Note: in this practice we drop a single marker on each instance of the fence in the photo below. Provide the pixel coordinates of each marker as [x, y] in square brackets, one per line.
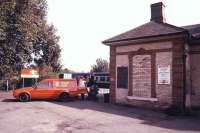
[6, 85]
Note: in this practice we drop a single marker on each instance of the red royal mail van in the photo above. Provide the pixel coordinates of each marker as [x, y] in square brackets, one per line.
[61, 89]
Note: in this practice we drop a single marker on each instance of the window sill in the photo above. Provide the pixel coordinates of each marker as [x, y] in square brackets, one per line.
[142, 98]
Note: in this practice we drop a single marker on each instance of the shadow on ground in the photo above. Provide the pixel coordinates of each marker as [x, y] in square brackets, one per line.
[9, 100]
[149, 117]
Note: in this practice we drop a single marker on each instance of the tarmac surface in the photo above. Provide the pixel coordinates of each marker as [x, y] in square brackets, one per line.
[86, 117]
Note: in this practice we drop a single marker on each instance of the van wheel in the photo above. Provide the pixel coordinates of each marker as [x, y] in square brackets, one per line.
[64, 97]
[24, 97]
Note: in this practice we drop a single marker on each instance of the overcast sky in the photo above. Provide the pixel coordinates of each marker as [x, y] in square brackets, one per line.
[83, 24]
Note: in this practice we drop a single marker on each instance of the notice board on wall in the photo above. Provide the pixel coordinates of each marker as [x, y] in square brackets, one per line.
[164, 75]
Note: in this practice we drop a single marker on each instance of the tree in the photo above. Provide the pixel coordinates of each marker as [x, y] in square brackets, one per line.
[100, 66]
[25, 37]
[66, 70]
[46, 48]
[47, 72]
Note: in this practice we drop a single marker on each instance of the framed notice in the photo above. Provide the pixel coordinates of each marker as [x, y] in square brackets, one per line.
[164, 75]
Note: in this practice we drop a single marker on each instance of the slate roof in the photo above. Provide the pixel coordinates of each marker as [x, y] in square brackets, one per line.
[149, 29]
[194, 30]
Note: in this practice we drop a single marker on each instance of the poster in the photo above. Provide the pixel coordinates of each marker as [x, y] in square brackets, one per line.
[164, 75]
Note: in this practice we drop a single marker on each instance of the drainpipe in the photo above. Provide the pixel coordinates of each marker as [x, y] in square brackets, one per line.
[186, 78]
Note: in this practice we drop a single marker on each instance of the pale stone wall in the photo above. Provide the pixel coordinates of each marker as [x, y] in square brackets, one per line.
[195, 79]
[146, 46]
[121, 93]
[164, 92]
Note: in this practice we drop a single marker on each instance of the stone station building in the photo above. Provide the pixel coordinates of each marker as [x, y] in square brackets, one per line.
[156, 65]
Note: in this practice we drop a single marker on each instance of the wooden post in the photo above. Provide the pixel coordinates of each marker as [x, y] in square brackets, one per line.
[23, 82]
[7, 85]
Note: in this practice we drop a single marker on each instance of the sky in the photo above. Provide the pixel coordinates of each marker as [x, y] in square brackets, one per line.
[83, 24]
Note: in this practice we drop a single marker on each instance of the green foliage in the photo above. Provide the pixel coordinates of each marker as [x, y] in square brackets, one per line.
[66, 70]
[46, 48]
[100, 66]
[47, 72]
[25, 37]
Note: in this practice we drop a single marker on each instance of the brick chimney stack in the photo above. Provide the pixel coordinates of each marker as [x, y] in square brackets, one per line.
[157, 12]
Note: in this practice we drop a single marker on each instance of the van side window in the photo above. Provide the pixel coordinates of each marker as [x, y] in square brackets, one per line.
[43, 85]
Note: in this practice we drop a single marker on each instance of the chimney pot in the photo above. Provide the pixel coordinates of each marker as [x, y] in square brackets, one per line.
[157, 12]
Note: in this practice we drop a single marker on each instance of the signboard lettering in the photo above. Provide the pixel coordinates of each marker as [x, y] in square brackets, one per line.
[164, 75]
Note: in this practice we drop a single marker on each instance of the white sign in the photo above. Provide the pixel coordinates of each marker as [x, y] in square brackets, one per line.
[164, 75]
[29, 73]
[67, 76]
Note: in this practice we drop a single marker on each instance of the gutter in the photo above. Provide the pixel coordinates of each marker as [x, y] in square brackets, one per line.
[144, 39]
[107, 42]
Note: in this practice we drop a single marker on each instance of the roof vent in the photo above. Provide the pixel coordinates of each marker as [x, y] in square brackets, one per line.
[157, 12]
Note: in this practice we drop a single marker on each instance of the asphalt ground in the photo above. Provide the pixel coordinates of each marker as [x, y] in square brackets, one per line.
[78, 116]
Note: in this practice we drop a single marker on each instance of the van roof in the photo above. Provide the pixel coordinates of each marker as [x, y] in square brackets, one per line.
[57, 79]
